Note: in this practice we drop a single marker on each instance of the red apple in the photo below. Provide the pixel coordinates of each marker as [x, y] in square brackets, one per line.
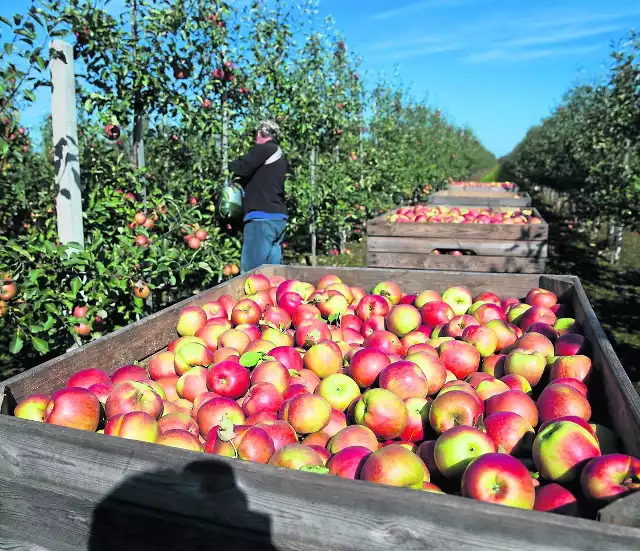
[213, 411]
[560, 400]
[245, 311]
[453, 408]
[574, 367]
[228, 378]
[405, 379]
[554, 498]
[541, 298]
[73, 407]
[354, 435]
[396, 466]
[511, 431]
[133, 396]
[610, 477]
[435, 313]
[88, 377]
[348, 462]
[135, 425]
[383, 412]
[129, 373]
[190, 319]
[516, 402]
[460, 358]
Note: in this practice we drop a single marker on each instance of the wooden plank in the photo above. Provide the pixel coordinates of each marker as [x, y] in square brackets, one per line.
[14, 541]
[623, 512]
[127, 345]
[483, 247]
[247, 502]
[470, 263]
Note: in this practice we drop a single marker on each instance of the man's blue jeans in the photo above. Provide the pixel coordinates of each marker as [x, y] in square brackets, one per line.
[262, 243]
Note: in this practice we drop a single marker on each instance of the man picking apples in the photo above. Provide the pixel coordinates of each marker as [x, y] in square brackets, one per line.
[262, 172]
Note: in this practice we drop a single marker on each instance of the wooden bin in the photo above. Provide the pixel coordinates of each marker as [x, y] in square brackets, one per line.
[63, 489]
[480, 198]
[487, 187]
[496, 247]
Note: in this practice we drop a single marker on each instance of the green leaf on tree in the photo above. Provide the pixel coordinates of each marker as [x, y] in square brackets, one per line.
[40, 345]
[16, 343]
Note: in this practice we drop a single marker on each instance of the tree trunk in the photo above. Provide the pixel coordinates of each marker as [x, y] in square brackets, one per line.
[312, 225]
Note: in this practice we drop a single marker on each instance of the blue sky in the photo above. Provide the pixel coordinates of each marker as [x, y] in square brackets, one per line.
[498, 66]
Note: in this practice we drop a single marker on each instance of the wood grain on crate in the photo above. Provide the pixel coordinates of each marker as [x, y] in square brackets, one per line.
[65, 489]
[480, 199]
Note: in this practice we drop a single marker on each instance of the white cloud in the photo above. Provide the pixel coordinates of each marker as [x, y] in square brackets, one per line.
[500, 54]
[419, 6]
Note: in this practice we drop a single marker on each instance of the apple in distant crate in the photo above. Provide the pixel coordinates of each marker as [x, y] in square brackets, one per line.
[190, 319]
[295, 456]
[339, 390]
[527, 363]
[459, 446]
[560, 400]
[554, 498]
[460, 358]
[383, 412]
[541, 298]
[135, 425]
[228, 378]
[403, 319]
[458, 298]
[395, 466]
[308, 413]
[561, 449]
[348, 462]
[178, 438]
[32, 407]
[435, 313]
[516, 402]
[511, 431]
[88, 377]
[610, 477]
[389, 290]
[453, 408]
[432, 367]
[133, 396]
[499, 478]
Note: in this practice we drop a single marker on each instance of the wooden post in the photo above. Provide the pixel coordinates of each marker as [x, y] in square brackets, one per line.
[65, 144]
[312, 226]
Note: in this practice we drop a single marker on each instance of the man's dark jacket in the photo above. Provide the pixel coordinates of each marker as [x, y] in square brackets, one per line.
[263, 184]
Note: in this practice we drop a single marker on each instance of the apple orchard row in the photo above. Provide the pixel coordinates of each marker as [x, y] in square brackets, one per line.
[484, 397]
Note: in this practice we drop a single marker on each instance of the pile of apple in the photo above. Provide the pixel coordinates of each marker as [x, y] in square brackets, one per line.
[479, 397]
[426, 214]
[481, 185]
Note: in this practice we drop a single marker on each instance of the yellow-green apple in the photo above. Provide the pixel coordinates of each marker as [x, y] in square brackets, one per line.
[536, 314]
[372, 305]
[418, 420]
[341, 288]
[403, 319]
[276, 337]
[133, 396]
[339, 390]
[561, 449]
[190, 319]
[534, 342]
[255, 283]
[337, 422]
[294, 456]
[489, 312]
[499, 478]
[192, 383]
[281, 433]
[383, 412]
[455, 407]
[541, 297]
[482, 337]
[494, 365]
[32, 407]
[528, 363]
[178, 420]
[609, 441]
[405, 379]
[610, 477]
[427, 296]
[192, 355]
[135, 425]
[129, 373]
[157, 388]
[432, 367]
[161, 365]
[491, 387]
[395, 466]
[384, 341]
[234, 338]
[559, 400]
[178, 343]
[214, 310]
[570, 344]
[515, 401]
[179, 438]
[511, 431]
[331, 303]
[389, 290]
[435, 313]
[514, 313]
[210, 335]
[324, 358]
[319, 438]
[326, 280]
[308, 413]
[544, 329]
[504, 332]
[573, 367]
[458, 298]
[228, 378]
[488, 297]
[457, 447]
[458, 324]
[348, 462]
[200, 401]
[553, 498]
[517, 382]
[213, 411]
[460, 358]
[262, 397]
[509, 302]
[88, 377]
[565, 326]
[246, 311]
